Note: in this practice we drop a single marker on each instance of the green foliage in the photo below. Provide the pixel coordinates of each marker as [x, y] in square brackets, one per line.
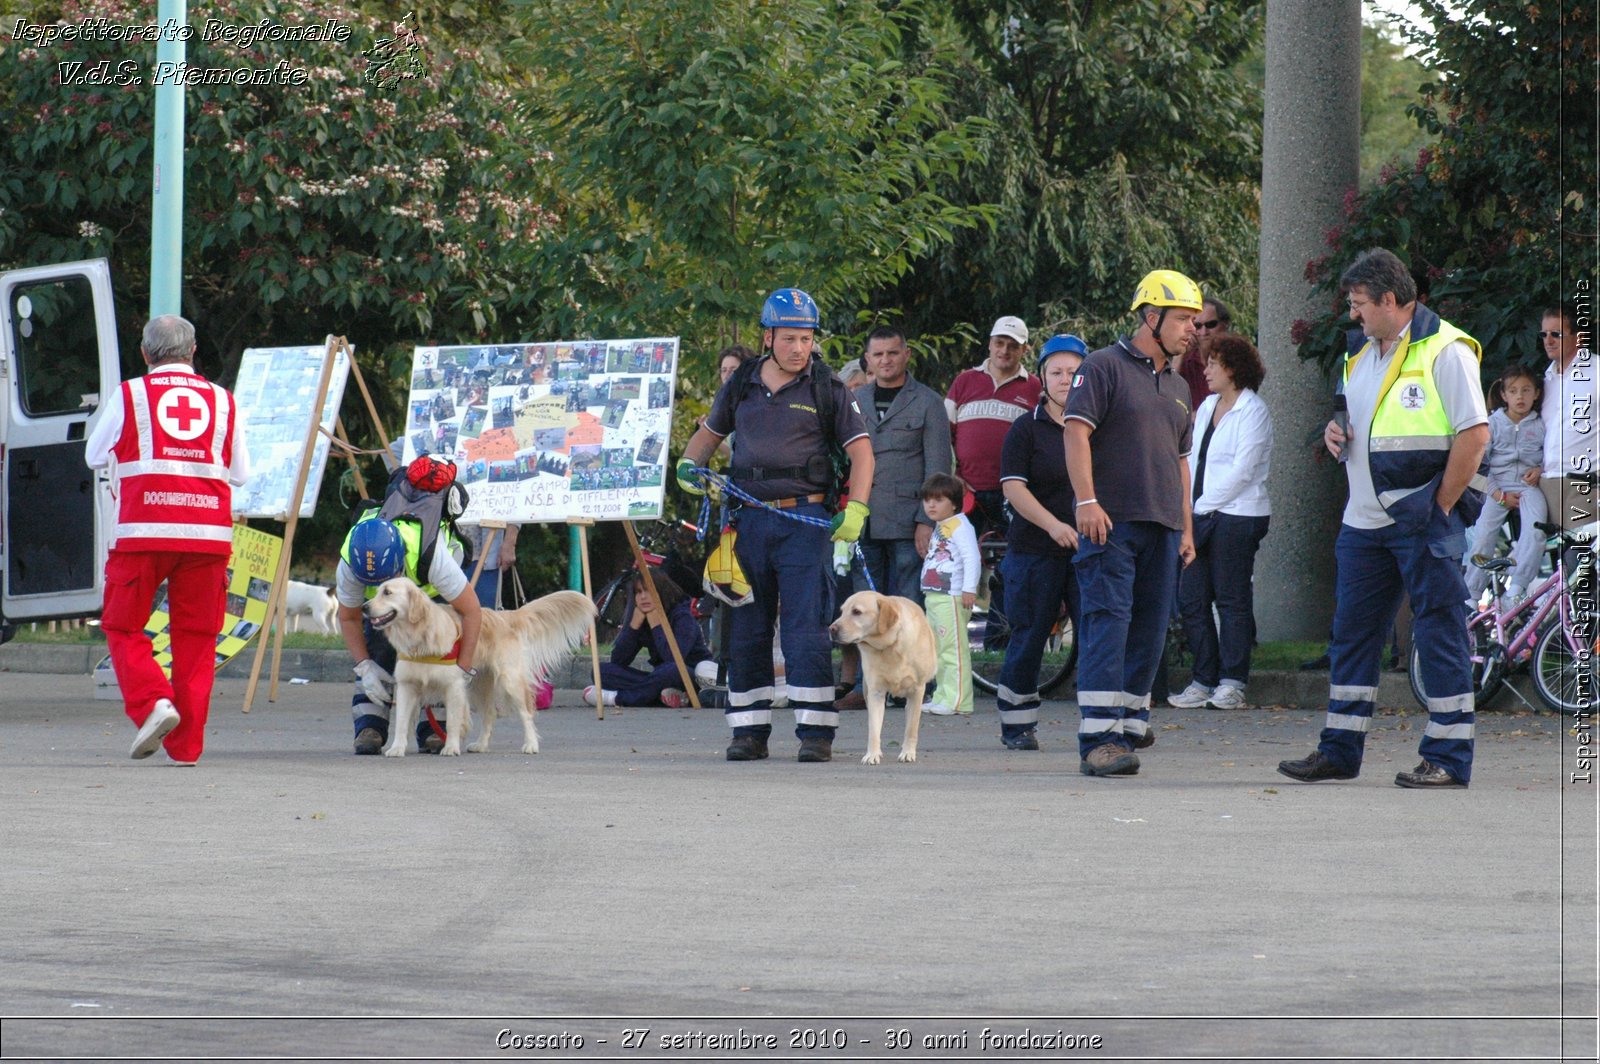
[1391, 83]
[1500, 215]
[1120, 138]
[717, 150]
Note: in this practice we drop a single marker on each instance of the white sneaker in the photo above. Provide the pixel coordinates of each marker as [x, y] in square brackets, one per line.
[607, 698]
[1227, 696]
[938, 709]
[1192, 697]
[162, 719]
[705, 673]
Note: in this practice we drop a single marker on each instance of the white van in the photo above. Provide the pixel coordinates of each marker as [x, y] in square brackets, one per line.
[58, 361]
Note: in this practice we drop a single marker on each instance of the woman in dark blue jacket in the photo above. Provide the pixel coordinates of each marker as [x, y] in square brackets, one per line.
[660, 685]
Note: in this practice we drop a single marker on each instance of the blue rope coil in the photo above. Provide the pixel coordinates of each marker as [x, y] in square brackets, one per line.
[728, 489]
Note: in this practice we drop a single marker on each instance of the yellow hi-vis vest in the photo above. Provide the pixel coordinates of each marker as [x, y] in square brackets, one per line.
[411, 535]
[1409, 440]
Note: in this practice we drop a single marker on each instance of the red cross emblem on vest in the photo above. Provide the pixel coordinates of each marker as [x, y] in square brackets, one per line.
[183, 413]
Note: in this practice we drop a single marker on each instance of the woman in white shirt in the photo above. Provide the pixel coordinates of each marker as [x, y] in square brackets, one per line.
[1228, 466]
[1569, 410]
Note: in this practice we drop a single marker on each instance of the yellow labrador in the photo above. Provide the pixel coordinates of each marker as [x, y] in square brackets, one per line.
[898, 657]
[516, 648]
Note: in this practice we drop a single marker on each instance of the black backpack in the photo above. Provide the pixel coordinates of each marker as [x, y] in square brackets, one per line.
[831, 471]
[431, 510]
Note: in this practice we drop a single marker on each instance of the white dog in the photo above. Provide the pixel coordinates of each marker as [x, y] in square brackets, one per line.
[898, 657]
[312, 601]
[516, 649]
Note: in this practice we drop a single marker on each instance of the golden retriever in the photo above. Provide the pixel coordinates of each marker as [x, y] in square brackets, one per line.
[898, 657]
[516, 648]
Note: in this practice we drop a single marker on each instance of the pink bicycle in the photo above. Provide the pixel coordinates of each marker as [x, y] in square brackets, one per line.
[1547, 629]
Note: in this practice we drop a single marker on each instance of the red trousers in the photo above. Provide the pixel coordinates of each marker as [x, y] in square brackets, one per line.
[196, 597]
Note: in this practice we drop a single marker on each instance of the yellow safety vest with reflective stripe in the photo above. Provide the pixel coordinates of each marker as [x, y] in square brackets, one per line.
[411, 535]
[1409, 440]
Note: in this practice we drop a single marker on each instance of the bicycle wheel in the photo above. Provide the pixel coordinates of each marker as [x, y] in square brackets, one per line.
[1488, 667]
[989, 635]
[1565, 681]
[611, 602]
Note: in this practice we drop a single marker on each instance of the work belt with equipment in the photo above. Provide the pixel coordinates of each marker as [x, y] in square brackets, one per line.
[818, 470]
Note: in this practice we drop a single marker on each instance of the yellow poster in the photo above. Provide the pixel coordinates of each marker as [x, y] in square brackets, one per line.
[250, 572]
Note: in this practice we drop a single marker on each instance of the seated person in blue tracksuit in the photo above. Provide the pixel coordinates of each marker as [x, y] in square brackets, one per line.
[624, 685]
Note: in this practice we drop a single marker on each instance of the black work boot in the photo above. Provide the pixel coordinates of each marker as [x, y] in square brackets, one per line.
[369, 741]
[816, 748]
[748, 748]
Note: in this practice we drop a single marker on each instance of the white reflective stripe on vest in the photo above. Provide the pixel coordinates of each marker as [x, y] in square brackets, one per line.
[141, 416]
[1410, 443]
[160, 467]
[1388, 498]
[219, 432]
[175, 530]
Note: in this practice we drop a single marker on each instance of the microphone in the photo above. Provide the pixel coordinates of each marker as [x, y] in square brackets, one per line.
[1341, 417]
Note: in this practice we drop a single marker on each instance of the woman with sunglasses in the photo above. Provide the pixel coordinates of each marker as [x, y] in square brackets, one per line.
[1568, 478]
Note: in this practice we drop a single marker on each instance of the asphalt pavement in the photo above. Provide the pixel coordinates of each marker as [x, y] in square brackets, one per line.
[287, 899]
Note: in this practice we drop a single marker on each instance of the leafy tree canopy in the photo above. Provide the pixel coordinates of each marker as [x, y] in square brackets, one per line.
[1499, 216]
[1120, 138]
[390, 213]
[717, 150]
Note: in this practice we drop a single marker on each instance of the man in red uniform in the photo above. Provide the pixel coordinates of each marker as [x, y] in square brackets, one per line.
[175, 446]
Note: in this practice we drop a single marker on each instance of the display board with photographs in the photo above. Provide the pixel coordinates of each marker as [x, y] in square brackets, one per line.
[250, 573]
[546, 432]
[276, 390]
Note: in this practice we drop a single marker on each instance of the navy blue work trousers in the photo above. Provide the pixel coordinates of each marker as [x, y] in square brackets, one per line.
[1126, 584]
[1376, 566]
[789, 565]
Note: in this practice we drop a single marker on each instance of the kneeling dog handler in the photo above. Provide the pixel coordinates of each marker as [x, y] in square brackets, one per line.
[790, 417]
[401, 537]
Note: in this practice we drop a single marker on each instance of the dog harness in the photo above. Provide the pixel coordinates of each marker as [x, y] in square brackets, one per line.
[448, 658]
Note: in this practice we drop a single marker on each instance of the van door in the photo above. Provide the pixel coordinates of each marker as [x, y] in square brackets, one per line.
[58, 361]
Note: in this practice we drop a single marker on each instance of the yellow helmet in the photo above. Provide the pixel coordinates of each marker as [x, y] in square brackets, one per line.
[723, 578]
[1167, 288]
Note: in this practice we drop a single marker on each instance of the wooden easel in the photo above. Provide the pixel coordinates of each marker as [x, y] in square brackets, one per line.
[277, 613]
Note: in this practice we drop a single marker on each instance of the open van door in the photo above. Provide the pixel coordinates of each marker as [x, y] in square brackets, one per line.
[58, 362]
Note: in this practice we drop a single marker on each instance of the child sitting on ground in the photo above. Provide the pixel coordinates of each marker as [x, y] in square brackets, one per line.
[624, 685]
[949, 589]
[1516, 445]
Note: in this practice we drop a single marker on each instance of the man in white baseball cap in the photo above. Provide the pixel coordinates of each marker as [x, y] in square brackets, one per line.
[982, 404]
[1013, 328]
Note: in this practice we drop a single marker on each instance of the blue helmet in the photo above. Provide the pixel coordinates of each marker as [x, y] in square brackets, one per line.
[1059, 343]
[789, 308]
[376, 551]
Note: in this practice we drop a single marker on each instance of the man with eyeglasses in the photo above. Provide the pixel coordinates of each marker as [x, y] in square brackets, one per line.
[1567, 481]
[1416, 433]
[1214, 320]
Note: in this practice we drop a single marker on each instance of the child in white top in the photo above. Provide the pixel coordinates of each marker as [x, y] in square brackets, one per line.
[1516, 445]
[949, 588]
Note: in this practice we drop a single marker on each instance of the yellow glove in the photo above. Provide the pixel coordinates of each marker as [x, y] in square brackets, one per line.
[847, 525]
[687, 477]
